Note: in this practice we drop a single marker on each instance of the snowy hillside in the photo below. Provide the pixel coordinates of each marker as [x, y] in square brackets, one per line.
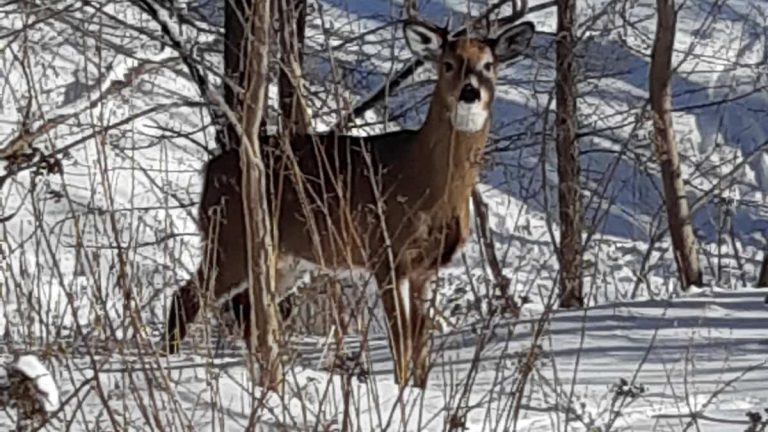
[106, 205]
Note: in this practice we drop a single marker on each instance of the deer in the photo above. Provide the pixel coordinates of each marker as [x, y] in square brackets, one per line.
[395, 204]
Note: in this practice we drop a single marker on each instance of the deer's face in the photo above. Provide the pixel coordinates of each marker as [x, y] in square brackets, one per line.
[467, 68]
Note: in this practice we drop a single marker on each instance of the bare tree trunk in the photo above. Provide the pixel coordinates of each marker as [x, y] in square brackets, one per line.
[292, 20]
[762, 279]
[678, 212]
[247, 58]
[568, 169]
[235, 14]
[501, 281]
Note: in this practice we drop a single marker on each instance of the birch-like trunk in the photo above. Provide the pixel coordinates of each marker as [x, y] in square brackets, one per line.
[246, 59]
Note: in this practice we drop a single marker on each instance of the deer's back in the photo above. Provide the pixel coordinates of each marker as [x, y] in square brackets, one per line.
[334, 208]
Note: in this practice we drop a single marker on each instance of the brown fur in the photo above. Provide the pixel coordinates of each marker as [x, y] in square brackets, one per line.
[395, 204]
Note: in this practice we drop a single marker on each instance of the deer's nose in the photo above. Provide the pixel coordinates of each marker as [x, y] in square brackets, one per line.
[469, 94]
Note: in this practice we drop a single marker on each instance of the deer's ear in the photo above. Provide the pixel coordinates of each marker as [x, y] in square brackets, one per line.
[512, 42]
[424, 41]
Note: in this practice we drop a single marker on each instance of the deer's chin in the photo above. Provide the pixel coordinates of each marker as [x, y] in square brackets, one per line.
[469, 117]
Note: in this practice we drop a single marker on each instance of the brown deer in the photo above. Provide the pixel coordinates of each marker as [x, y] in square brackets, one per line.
[396, 205]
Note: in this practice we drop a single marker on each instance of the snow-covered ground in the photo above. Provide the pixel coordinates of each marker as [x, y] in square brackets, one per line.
[693, 363]
[122, 104]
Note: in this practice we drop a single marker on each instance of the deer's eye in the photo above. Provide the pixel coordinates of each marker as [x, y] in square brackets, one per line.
[488, 66]
[447, 66]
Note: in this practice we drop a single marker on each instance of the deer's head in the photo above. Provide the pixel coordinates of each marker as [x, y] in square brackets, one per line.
[468, 65]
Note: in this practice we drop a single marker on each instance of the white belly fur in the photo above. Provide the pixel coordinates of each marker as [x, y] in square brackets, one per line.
[291, 270]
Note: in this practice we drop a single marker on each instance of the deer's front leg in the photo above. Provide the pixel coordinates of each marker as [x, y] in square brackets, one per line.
[420, 327]
[397, 308]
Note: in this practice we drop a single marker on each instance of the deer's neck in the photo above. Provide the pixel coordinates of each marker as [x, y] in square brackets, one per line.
[449, 159]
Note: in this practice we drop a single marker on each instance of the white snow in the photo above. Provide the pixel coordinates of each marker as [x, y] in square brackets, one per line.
[30, 367]
[641, 356]
[699, 359]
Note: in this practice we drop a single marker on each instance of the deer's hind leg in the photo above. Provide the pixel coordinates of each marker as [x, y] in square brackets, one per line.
[186, 304]
[240, 308]
[287, 273]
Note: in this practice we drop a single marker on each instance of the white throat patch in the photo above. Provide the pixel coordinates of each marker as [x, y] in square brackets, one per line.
[469, 117]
